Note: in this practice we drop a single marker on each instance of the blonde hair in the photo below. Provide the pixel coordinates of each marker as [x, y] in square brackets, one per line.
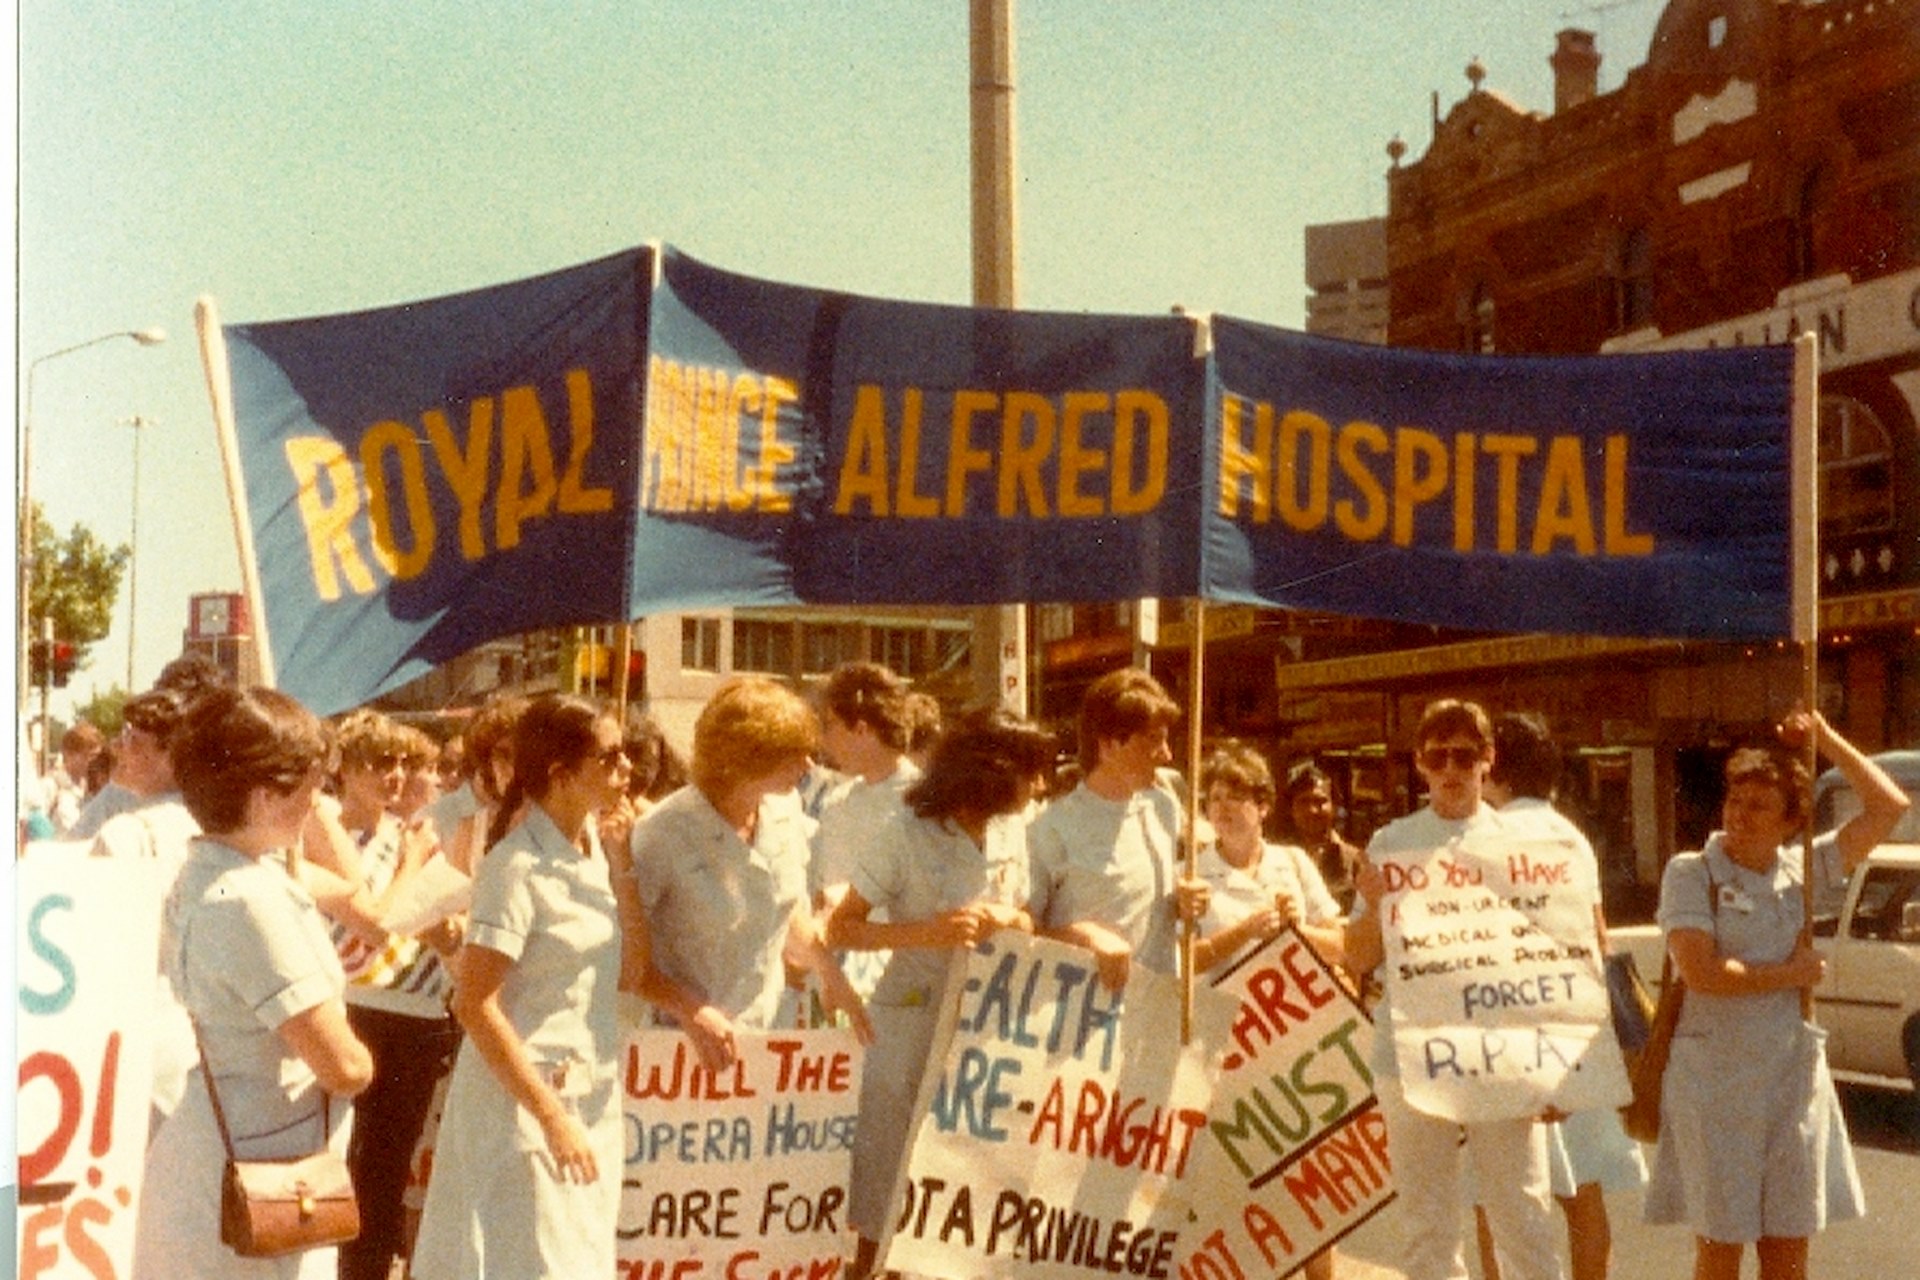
[363, 736]
[749, 726]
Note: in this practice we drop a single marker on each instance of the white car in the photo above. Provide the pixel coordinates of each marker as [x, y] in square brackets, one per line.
[1869, 1001]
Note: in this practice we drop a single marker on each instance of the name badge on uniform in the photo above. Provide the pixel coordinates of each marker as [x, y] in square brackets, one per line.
[1733, 899]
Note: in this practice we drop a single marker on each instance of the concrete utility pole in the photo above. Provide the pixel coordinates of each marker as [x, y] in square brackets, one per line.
[1000, 632]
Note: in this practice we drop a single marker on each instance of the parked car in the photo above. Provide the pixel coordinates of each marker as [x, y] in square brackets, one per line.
[1869, 1001]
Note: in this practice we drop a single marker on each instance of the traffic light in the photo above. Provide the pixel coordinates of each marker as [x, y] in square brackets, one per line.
[64, 658]
[52, 660]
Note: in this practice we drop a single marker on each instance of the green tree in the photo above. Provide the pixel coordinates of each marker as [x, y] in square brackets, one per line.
[105, 711]
[76, 581]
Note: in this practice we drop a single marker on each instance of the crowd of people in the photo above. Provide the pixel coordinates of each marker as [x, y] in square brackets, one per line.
[807, 840]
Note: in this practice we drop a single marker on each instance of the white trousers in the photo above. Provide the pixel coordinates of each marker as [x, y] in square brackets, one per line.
[1511, 1178]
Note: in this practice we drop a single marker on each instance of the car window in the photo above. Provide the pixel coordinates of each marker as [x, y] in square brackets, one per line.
[1838, 805]
[1883, 902]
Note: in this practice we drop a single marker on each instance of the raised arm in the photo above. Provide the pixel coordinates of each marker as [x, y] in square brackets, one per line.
[1882, 802]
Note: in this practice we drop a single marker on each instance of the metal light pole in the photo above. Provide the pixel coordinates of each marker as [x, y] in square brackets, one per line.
[1001, 631]
[139, 425]
[24, 635]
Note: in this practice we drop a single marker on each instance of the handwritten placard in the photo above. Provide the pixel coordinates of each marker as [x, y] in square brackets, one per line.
[1061, 1122]
[1499, 996]
[87, 948]
[1295, 1150]
[739, 1175]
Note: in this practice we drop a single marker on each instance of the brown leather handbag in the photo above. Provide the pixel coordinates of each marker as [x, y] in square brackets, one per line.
[1648, 1070]
[269, 1208]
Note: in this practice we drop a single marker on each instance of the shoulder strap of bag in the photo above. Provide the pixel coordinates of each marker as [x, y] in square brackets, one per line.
[1667, 972]
[213, 1094]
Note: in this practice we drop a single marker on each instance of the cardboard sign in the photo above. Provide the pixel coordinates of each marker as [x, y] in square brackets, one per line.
[86, 948]
[1059, 1127]
[1499, 995]
[740, 1175]
[1295, 1155]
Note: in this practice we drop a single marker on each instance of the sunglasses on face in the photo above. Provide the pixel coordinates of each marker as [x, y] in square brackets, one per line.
[1434, 759]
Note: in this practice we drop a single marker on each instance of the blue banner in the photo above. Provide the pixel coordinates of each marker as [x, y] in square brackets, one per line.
[642, 434]
[1637, 495]
[837, 449]
[427, 477]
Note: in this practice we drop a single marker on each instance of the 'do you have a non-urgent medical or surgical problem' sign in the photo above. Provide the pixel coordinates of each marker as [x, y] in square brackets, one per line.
[1493, 966]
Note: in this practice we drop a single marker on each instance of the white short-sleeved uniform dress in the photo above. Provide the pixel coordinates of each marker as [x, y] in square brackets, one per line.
[1238, 892]
[494, 1207]
[716, 907]
[916, 868]
[1111, 862]
[1752, 1140]
[248, 950]
[1588, 1146]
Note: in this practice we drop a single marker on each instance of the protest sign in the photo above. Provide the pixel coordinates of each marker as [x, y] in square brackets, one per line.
[1060, 1124]
[87, 942]
[739, 1175]
[1492, 961]
[1295, 1150]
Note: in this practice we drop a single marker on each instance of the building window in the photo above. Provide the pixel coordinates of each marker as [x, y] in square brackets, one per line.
[699, 644]
[952, 647]
[1856, 469]
[1806, 262]
[898, 649]
[824, 646]
[760, 645]
[1633, 281]
[1477, 319]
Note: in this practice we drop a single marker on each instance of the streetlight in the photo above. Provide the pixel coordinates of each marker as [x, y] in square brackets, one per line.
[146, 338]
[139, 425]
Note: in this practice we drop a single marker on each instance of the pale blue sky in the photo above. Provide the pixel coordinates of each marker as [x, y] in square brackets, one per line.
[298, 159]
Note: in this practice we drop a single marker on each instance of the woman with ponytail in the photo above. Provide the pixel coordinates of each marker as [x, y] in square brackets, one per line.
[526, 1176]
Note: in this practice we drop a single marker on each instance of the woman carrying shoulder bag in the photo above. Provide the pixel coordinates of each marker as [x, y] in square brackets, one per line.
[250, 958]
[1753, 1148]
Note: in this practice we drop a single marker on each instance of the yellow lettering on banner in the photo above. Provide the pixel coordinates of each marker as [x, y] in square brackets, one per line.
[1292, 469]
[1364, 520]
[907, 500]
[1618, 541]
[527, 483]
[1564, 509]
[1309, 512]
[575, 498]
[716, 435]
[664, 482]
[397, 438]
[1021, 455]
[1076, 459]
[775, 452]
[1463, 477]
[466, 472]
[328, 519]
[1419, 476]
[963, 459]
[1132, 410]
[1241, 463]
[1507, 452]
[863, 471]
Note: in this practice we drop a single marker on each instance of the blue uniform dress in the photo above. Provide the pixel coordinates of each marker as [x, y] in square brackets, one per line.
[1110, 862]
[494, 1205]
[246, 950]
[716, 907]
[1752, 1140]
[916, 868]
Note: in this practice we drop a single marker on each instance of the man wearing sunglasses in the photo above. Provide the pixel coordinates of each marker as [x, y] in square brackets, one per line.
[1453, 752]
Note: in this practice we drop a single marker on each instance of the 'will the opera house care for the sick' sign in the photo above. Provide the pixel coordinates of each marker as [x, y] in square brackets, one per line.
[88, 935]
[740, 1175]
[1295, 1155]
[1061, 1123]
[1492, 961]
